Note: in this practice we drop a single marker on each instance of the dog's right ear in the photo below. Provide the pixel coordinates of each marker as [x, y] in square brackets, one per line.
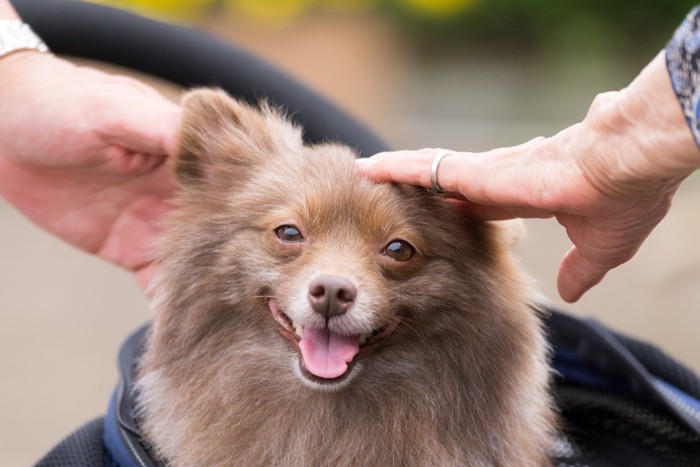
[221, 137]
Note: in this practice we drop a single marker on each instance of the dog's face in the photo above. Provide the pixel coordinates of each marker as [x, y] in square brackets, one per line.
[338, 265]
[349, 264]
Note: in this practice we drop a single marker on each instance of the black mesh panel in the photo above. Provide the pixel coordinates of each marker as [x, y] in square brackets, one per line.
[83, 448]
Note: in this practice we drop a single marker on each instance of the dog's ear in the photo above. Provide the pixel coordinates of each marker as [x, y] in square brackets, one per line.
[220, 136]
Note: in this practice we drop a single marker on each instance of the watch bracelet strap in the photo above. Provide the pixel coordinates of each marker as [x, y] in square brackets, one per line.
[683, 63]
[16, 35]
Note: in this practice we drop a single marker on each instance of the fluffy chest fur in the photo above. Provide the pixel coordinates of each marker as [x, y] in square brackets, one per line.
[306, 316]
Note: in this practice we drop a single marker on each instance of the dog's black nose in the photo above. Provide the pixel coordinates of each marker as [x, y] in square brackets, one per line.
[331, 295]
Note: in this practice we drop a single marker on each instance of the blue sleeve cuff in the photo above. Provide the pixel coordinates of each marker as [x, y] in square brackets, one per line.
[682, 61]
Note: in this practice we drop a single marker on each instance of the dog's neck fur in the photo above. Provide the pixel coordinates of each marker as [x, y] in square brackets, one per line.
[268, 417]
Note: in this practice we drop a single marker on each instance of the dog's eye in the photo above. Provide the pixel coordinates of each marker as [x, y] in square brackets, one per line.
[289, 233]
[399, 250]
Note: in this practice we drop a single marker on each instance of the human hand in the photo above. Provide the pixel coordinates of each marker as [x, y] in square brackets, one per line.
[82, 155]
[608, 180]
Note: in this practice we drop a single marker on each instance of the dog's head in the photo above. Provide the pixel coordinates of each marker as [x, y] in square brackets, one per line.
[297, 302]
[284, 252]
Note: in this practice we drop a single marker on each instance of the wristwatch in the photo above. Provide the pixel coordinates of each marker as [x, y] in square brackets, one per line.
[16, 35]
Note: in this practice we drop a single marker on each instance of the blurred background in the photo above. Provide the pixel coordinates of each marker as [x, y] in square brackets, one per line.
[461, 74]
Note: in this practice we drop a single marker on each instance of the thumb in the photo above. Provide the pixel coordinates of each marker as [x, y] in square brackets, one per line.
[152, 129]
[577, 275]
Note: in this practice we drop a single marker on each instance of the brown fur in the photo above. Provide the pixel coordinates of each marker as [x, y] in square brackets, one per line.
[462, 381]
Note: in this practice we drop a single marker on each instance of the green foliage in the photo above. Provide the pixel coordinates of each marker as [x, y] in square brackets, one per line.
[623, 25]
[596, 25]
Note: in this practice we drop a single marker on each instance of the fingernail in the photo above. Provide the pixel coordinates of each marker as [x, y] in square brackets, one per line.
[362, 162]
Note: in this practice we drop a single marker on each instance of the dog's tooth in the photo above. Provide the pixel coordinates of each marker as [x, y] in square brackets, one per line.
[362, 339]
[299, 329]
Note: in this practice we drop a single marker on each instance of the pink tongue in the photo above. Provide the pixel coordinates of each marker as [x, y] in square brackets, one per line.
[327, 354]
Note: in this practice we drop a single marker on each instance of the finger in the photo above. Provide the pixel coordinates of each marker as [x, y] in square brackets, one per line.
[577, 275]
[410, 167]
[131, 236]
[122, 161]
[505, 177]
[152, 129]
[508, 176]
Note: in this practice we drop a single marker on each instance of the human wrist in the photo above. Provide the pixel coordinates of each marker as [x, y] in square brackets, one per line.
[658, 123]
[635, 142]
[655, 145]
[17, 66]
[17, 36]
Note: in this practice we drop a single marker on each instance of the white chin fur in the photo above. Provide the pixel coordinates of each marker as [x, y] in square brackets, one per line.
[328, 387]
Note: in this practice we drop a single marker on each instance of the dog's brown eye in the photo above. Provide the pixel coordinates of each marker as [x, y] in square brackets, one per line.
[399, 250]
[289, 233]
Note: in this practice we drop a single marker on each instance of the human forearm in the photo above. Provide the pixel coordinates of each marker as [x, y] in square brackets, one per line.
[635, 140]
[651, 102]
[7, 11]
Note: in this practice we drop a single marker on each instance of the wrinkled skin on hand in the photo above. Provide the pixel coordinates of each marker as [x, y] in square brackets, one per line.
[82, 155]
[608, 180]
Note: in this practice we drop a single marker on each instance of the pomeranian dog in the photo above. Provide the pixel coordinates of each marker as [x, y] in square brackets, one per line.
[307, 316]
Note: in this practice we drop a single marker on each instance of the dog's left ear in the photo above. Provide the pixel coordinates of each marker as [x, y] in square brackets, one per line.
[222, 137]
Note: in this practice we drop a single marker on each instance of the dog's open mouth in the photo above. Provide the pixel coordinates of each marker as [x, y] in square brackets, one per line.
[325, 356]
